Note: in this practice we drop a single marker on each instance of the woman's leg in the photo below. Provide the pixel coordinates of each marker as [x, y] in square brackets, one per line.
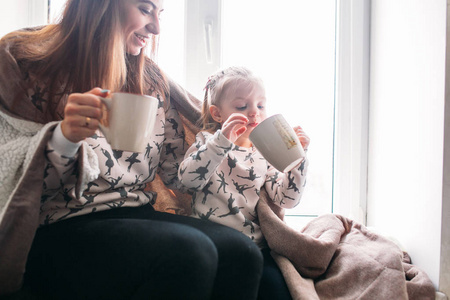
[272, 285]
[114, 254]
[240, 260]
[106, 257]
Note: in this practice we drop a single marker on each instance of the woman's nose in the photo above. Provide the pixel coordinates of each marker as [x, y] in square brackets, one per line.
[153, 26]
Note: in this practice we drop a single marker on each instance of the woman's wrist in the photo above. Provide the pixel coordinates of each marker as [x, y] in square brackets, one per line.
[62, 145]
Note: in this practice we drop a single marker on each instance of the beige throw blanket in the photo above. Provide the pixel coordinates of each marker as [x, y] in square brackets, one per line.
[333, 257]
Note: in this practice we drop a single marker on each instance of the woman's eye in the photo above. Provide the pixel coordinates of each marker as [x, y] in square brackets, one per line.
[145, 11]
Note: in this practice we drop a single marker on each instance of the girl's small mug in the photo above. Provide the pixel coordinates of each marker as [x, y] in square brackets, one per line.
[276, 140]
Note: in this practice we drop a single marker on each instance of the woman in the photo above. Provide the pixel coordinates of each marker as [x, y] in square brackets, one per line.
[99, 236]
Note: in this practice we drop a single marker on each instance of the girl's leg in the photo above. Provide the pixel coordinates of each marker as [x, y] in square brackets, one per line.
[272, 285]
[101, 256]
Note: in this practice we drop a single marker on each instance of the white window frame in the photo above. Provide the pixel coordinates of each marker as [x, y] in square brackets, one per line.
[203, 55]
[352, 109]
[37, 12]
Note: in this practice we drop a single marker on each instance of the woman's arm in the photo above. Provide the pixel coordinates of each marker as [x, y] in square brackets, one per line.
[186, 104]
[173, 149]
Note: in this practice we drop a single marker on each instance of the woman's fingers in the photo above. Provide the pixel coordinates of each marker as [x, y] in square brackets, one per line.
[76, 128]
[82, 114]
[76, 109]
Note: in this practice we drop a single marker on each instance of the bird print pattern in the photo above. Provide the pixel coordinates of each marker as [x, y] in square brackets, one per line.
[123, 175]
[226, 180]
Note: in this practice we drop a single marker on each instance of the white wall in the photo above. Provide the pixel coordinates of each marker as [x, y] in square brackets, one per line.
[18, 14]
[406, 125]
[9, 15]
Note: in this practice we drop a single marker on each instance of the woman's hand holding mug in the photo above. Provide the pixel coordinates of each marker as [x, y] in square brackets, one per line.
[82, 114]
[126, 120]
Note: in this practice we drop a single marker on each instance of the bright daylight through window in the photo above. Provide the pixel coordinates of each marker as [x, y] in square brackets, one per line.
[291, 45]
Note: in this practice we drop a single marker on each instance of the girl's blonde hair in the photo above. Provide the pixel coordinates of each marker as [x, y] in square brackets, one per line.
[85, 49]
[219, 86]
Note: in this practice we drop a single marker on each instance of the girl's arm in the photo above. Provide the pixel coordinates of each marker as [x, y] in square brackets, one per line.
[286, 189]
[202, 159]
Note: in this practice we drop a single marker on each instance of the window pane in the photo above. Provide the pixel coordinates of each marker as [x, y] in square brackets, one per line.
[55, 9]
[291, 45]
[171, 41]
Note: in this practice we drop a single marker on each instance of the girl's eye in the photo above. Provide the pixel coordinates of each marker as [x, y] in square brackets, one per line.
[241, 107]
[260, 107]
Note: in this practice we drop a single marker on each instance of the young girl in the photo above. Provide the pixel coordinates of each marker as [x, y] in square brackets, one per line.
[222, 167]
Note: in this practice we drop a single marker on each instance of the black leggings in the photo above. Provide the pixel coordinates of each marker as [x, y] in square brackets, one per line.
[139, 253]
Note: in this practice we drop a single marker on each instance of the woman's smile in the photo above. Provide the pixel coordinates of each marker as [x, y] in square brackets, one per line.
[142, 40]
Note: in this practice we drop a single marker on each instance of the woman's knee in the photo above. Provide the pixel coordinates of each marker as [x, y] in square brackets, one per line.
[193, 250]
[182, 264]
[186, 271]
[242, 250]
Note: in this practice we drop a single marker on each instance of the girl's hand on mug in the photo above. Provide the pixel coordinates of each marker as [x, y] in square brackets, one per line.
[82, 115]
[304, 139]
[234, 126]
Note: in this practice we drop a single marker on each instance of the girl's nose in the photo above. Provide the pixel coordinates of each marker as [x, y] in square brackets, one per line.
[253, 112]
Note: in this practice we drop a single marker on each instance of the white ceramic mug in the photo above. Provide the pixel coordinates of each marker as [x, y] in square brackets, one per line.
[128, 121]
[276, 140]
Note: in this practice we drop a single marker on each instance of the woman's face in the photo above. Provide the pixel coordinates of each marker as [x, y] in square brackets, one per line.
[141, 21]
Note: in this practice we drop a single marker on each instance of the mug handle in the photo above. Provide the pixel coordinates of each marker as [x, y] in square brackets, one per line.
[105, 129]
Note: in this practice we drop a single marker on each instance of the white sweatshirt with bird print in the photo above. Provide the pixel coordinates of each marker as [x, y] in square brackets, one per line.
[226, 180]
[123, 175]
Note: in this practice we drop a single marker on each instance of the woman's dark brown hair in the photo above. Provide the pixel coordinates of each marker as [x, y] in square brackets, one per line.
[85, 49]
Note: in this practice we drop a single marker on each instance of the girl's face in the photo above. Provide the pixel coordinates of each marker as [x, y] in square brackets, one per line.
[141, 21]
[249, 100]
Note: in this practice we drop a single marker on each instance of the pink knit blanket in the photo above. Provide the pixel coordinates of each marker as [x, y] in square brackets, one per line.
[333, 257]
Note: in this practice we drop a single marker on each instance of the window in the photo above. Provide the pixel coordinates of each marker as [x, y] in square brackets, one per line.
[291, 45]
[19, 14]
[55, 9]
